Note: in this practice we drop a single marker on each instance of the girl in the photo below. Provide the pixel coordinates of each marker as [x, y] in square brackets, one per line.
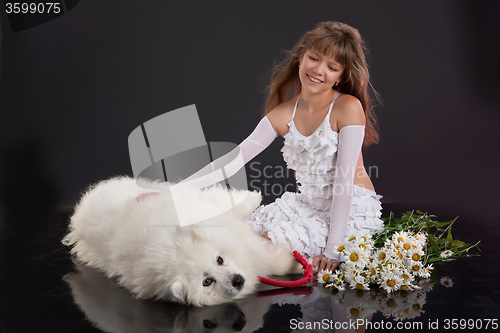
[324, 125]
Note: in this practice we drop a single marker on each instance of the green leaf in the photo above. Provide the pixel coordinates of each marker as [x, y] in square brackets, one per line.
[442, 224]
[449, 238]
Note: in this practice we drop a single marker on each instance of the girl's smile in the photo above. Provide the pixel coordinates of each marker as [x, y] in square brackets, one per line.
[319, 71]
[314, 80]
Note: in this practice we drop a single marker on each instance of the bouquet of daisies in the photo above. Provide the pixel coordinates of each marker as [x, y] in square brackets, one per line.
[393, 258]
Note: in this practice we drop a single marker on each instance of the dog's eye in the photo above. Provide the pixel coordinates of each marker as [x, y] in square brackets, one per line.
[207, 282]
[209, 324]
[220, 261]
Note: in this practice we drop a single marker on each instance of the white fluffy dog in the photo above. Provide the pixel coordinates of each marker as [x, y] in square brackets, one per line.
[142, 244]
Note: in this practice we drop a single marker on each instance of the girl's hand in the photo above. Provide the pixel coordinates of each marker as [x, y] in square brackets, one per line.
[324, 263]
[144, 195]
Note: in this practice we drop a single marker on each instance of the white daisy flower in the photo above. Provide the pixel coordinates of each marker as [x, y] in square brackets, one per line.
[407, 277]
[339, 286]
[446, 254]
[426, 271]
[415, 253]
[426, 285]
[359, 282]
[357, 256]
[446, 281]
[420, 239]
[406, 287]
[390, 281]
[399, 236]
[325, 276]
[340, 248]
[373, 270]
[415, 267]
[352, 238]
[403, 241]
[383, 254]
[394, 258]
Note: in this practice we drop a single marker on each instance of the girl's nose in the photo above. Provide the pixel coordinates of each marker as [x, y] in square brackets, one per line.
[318, 69]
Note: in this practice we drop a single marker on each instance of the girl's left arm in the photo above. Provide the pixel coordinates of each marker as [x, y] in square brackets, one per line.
[350, 141]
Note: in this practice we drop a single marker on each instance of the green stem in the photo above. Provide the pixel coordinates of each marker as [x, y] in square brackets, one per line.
[448, 227]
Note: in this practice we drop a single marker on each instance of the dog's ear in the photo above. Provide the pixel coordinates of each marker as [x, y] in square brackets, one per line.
[247, 204]
[178, 293]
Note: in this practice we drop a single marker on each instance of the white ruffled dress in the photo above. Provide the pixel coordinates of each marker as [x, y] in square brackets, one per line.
[302, 219]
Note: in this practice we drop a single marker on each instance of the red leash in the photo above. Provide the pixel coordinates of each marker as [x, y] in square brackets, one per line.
[281, 291]
[308, 274]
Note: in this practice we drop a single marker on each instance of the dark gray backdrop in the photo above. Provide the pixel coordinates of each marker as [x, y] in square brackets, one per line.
[73, 89]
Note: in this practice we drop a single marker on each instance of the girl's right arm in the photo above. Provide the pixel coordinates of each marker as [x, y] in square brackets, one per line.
[263, 135]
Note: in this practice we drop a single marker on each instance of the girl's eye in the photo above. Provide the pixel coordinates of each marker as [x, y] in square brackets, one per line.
[220, 261]
[333, 69]
[207, 282]
[312, 58]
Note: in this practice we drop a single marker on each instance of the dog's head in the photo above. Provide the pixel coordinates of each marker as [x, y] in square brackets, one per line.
[209, 270]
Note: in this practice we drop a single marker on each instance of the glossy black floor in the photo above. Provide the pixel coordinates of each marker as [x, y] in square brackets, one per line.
[42, 290]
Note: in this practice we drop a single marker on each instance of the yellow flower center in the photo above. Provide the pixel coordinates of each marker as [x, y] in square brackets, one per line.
[391, 303]
[416, 268]
[341, 248]
[406, 277]
[354, 312]
[416, 256]
[400, 256]
[391, 283]
[373, 271]
[352, 238]
[400, 239]
[353, 257]
[416, 307]
[326, 277]
[382, 256]
[364, 238]
[406, 311]
[406, 246]
[359, 286]
[362, 246]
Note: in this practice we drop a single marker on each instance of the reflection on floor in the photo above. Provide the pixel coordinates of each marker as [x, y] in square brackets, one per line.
[43, 289]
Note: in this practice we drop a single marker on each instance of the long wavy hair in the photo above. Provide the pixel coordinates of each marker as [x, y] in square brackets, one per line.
[345, 44]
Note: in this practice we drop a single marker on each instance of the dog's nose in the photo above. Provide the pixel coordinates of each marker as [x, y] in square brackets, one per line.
[238, 281]
[239, 324]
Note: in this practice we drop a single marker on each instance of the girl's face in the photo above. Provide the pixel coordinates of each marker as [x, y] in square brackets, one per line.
[318, 72]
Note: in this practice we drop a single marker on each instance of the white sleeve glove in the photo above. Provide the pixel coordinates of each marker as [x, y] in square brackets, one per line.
[349, 146]
[227, 165]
